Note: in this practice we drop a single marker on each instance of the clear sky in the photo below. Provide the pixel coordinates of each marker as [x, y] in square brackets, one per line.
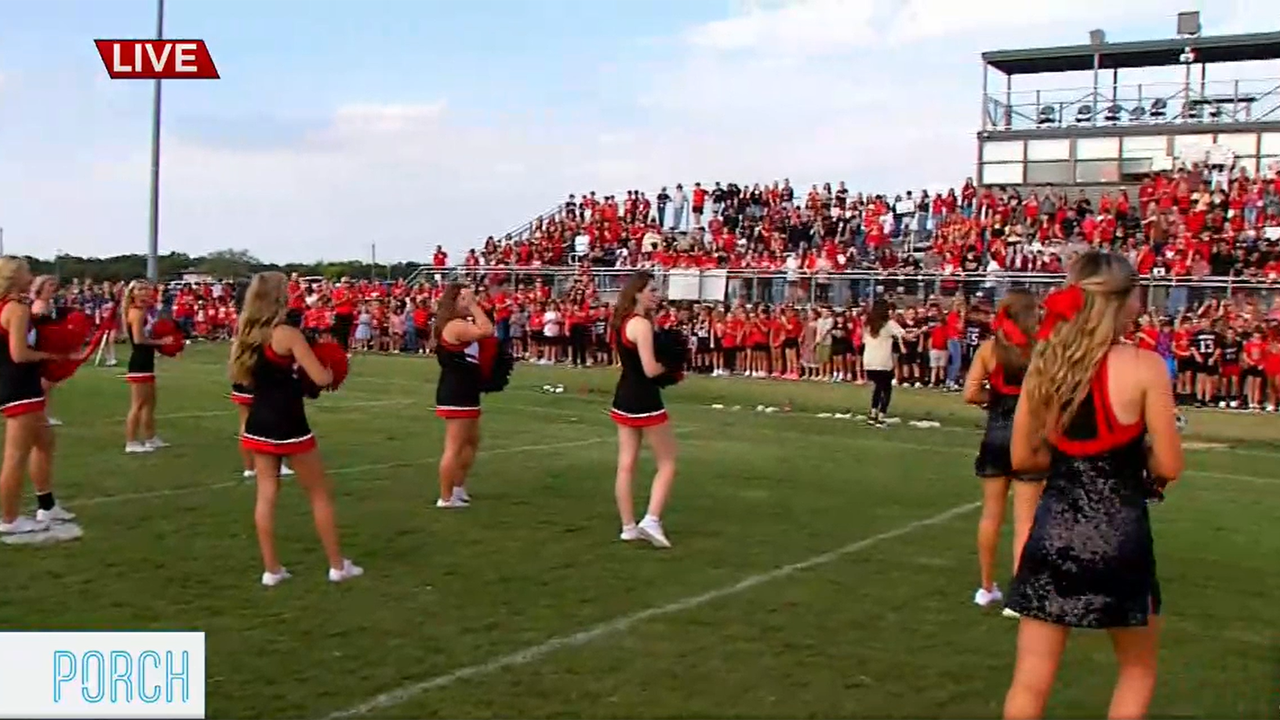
[412, 123]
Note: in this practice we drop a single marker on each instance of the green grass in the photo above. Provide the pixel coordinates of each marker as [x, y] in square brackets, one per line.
[885, 630]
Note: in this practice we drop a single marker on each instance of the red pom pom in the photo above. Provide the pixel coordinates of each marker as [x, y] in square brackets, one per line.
[167, 330]
[333, 356]
[79, 322]
[56, 371]
[59, 339]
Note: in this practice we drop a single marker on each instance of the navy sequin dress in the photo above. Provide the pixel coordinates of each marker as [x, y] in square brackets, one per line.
[1090, 560]
[994, 459]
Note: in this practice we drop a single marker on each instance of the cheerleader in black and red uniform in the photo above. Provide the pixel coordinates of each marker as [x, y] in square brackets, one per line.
[994, 381]
[242, 396]
[266, 359]
[138, 310]
[28, 442]
[43, 311]
[460, 327]
[639, 412]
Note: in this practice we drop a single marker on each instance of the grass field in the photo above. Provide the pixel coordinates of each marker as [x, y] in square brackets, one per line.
[821, 568]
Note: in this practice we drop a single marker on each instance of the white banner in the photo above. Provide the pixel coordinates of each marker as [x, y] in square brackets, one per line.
[102, 675]
[684, 285]
[714, 285]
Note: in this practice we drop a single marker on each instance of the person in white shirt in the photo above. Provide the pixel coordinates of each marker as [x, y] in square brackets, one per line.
[878, 338]
[552, 330]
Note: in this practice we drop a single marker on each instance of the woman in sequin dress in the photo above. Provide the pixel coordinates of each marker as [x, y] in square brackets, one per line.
[994, 381]
[1098, 416]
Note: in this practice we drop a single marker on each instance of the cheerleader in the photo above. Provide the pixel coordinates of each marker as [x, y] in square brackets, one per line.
[43, 311]
[266, 357]
[242, 396]
[1098, 417]
[993, 381]
[138, 310]
[638, 410]
[460, 325]
[29, 442]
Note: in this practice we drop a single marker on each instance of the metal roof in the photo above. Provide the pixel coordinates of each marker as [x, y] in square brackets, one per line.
[1140, 54]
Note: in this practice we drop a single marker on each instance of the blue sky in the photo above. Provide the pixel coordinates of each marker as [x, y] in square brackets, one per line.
[339, 123]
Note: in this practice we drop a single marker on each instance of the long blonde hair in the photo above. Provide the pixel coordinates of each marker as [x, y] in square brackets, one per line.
[126, 301]
[1063, 364]
[12, 269]
[265, 307]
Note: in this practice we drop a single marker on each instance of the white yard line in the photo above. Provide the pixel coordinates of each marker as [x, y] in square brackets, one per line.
[167, 492]
[535, 653]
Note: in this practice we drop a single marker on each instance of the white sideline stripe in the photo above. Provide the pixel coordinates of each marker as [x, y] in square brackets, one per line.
[340, 471]
[625, 622]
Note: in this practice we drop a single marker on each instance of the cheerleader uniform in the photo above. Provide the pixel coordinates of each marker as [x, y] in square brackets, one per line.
[994, 460]
[141, 369]
[277, 421]
[241, 395]
[1090, 559]
[637, 401]
[458, 389]
[20, 390]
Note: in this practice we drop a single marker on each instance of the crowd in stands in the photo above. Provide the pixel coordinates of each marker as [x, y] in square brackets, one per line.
[1195, 221]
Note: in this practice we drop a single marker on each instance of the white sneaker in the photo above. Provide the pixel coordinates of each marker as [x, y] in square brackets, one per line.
[461, 495]
[285, 470]
[112, 362]
[249, 474]
[53, 422]
[987, 598]
[629, 533]
[349, 570]
[137, 447]
[272, 579]
[651, 529]
[1010, 614]
[55, 514]
[21, 525]
[450, 503]
[156, 443]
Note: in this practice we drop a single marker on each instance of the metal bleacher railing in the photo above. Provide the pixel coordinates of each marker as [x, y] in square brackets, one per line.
[800, 288]
[520, 232]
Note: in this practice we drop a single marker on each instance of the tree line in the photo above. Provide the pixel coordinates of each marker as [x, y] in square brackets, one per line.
[222, 265]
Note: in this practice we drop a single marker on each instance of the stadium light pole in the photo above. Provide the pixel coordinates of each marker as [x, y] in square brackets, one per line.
[153, 238]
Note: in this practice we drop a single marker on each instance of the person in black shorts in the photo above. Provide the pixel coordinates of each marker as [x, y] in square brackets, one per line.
[266, 358]
[1205, 350]
[29, 442]
[638, 411]
[460, 325]
[911, 361]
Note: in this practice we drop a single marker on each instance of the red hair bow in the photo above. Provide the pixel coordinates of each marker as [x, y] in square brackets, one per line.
[1005, 325]
[1060, 306]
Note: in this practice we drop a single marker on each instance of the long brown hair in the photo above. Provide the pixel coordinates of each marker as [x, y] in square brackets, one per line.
[1063, 364]
[1020, 308]
[265, 306]
[878, 317]
[447, 308]
[626, 306]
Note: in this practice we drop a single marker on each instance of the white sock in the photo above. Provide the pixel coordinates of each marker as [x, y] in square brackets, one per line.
[650, 519]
